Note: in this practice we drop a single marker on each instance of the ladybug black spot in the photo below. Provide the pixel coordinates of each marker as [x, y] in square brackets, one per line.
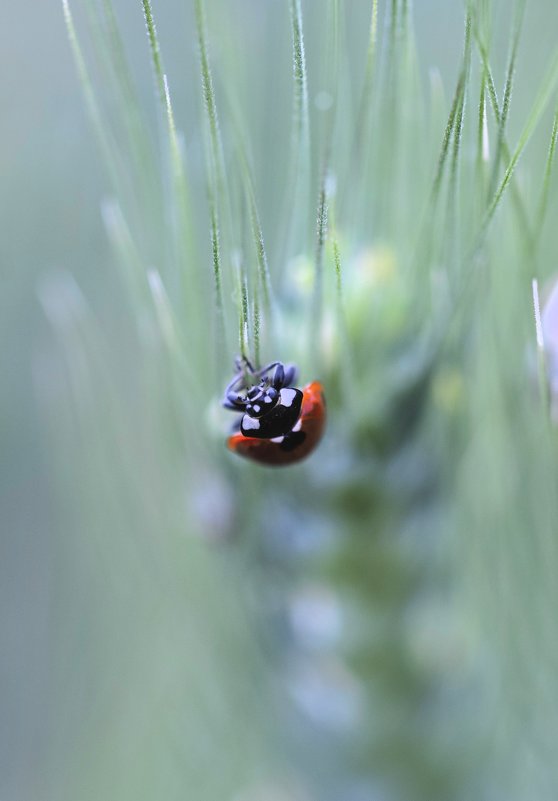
[293, 440]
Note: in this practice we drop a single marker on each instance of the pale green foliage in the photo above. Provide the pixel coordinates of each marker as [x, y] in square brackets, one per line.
[403, 580]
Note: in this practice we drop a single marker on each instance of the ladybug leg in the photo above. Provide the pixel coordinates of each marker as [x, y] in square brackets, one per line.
[290, 374]
[233, 401]
[243, 367]
[231, 392]
[264, 370]
[284, 376]
[279, 376]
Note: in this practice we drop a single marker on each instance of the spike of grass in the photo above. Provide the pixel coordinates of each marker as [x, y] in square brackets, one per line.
[243, 316]
[505, 150]
[217, 177]
[452, 210]
[299, 177]
[301, 111]
[544, 388]
[216, 182]
[156, 59]
[448, 132]
[127, 108]
[164, 312]
[339, 287]
[128, 255]
[180, 356]
[365, 106]
[541, 102]
[185, 234]
[543, 203]
[116, 47]
[216, 255]
[345, 352]
[504, 113]
[492, 94]
[544, 95]
[322, 214]
[359, 157]
[256, 228]
[389, 164]
[209, 100]
[129, 98]
[99, 125]
[250, 196]
[392, 62]
[321, 233]
[335, 47]
[111, 49]
[176, 154]
[257, 233]
[458, 129]
[392, 38]
[338, 273]
[481, 131]
[256, 327]
[460, 116]
[425, 236]
[331, 70]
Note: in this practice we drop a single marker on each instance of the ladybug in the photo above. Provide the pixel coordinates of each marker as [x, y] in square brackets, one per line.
[279, 423]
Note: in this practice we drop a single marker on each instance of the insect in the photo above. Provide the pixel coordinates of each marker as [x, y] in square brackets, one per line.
[279, 424]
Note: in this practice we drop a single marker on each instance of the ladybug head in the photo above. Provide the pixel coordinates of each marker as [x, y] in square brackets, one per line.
[260, 399]
[256, 392]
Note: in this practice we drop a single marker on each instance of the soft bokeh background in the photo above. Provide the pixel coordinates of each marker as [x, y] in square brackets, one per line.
[102, 600]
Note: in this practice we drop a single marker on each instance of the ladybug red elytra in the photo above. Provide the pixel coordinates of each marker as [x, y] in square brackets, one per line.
[280, 424]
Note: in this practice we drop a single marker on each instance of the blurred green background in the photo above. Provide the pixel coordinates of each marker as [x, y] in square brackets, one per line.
[140, 660]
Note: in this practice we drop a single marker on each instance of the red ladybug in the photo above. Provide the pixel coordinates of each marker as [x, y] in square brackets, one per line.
[280, 424]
